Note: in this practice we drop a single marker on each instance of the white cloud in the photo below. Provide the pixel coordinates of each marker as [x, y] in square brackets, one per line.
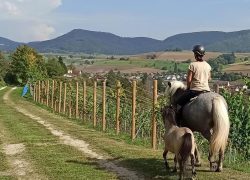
[56, 3]
[30, 18]
[9, 7]
[41, 32]
[26, 31]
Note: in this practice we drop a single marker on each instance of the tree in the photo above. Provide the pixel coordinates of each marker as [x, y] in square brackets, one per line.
[60, 60]
[71, 67]
[55, 67]
[86, 62]
[4, 65]
[26, 65]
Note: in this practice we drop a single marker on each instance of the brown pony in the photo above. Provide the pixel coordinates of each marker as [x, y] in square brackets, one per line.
[178, 140]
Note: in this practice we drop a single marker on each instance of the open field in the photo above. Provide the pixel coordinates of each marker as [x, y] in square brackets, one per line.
[123, 68]
[50, 147]
[178, 56]
[163, 62]
[132, 66]
[243, 68]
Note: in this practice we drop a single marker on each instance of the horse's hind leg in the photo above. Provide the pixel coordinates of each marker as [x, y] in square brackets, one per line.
[182, 169]
[213, 164]
[193, 163]
[175, 164]
[220, 162]
[165, 159]
[197, 157]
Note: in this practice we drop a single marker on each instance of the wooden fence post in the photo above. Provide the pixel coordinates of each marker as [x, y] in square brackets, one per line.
[34, 92]
[70, 99]
[118, 90]
[84, 101]
[52, 94]
[55, 95]
[64, 97]
[47, 95]
[42, 91]
[133, 109]
[77, 94]
[154, 114]
[104, 105]
[60, 97]
[39, 91]
[94, 103]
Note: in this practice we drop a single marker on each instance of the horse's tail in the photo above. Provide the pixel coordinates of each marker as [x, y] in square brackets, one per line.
[186, 147]
[221, 126]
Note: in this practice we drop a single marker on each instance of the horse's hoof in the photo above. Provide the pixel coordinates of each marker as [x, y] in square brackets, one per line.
[213, 167]
[218, 170]
[174, 170]
[194, 174]
[167, 168]
[198, 164]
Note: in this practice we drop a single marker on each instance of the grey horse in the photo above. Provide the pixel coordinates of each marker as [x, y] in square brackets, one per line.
[207, 114]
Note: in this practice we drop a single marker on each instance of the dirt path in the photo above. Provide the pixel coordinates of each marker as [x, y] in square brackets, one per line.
[20, 167]
[15, 153]
[80, 145]
[113, 156]
[2, 88]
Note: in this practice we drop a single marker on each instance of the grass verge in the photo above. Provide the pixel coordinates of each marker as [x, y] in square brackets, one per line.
[143, 160]
[48, 157]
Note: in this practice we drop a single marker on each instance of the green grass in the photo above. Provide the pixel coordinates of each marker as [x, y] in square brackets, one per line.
[146, 161]
[4, 166]
[157, 64]
[63, 162]
[49, 158]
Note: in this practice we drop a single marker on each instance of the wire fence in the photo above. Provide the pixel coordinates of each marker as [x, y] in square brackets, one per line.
[127, 110]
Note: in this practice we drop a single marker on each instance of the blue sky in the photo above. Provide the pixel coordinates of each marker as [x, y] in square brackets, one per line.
[33, 20]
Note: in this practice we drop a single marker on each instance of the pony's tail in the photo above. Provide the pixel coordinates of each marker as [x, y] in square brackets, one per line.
[221, 126]
[186, 147]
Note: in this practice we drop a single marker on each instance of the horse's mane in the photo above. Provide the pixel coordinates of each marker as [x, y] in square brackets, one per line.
[168, 114]
[173, 86]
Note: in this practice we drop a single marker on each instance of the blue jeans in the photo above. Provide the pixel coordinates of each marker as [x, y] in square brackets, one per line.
[186, 96]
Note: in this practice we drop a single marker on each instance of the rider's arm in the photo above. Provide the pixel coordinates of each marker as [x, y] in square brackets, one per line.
[209, 77]
[189, 78]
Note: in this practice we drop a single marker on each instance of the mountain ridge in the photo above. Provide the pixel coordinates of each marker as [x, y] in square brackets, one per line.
[86, 41]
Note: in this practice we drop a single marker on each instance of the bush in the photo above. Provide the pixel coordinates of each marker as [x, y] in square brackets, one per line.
[239, 114]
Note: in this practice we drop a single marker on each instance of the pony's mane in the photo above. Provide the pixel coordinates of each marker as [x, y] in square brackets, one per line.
[168, 114]
[171, 112]
[175, 85]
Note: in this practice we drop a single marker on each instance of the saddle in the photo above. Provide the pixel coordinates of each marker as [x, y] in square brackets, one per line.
[191, 96]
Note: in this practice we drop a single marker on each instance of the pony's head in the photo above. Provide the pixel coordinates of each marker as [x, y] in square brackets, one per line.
[168, 114]
[173, 86]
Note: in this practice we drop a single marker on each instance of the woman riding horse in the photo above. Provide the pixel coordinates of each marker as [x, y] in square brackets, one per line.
[208, 113]
[197, 78]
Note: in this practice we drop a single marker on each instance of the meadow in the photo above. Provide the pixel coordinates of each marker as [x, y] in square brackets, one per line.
[162, 62]
[49, 156]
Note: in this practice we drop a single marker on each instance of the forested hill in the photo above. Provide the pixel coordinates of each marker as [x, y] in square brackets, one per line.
[97, 42]
[7, 45]
[79, 40]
